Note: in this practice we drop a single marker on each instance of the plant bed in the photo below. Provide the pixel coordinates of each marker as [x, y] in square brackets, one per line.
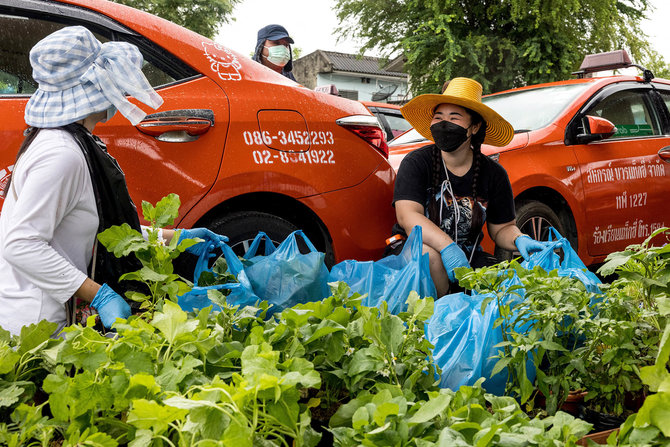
[600, 421]
[597, 437]
[328, 372]
[571, 404]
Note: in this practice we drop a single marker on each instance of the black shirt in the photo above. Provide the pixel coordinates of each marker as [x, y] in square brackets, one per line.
[494, 193]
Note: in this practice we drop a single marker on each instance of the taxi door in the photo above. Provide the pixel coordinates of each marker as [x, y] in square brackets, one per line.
[623, 176]
[176, 149]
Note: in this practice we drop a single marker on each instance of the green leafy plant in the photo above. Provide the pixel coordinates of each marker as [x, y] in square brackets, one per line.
[465, 417]
[618, 340]
[622, 336]
[157, 271]
[548, 328]
[651, 425]
[219, 274]
[496, 284]
[542, 317]
[231, 377]
[356, 347]
[643, 272]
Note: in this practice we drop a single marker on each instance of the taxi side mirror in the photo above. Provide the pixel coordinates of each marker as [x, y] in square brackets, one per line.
[595, 129]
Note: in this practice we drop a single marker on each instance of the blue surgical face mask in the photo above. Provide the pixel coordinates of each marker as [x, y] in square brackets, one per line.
[111, 111]
[278, 55]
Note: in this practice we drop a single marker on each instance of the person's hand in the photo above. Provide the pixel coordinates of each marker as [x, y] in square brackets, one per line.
[210, 239]
[110, 306]
[527, 245]
[453, 257]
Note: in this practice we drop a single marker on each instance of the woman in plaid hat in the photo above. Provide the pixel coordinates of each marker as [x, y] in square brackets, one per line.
[450, 189]
[65, 187]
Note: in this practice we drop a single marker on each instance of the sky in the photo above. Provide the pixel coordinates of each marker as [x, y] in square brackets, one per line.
[311, 24]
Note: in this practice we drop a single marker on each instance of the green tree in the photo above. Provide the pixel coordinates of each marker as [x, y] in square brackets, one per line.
[201, 16]
[501, 43]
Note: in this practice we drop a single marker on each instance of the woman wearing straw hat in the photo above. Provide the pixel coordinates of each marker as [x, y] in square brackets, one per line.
[65, 187]
[436, 185]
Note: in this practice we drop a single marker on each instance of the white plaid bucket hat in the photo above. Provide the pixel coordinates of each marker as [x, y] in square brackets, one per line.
[78, 76]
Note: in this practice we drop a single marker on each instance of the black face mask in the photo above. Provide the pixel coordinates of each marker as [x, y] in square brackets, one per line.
[448, 136]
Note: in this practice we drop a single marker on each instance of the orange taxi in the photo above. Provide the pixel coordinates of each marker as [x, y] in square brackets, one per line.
[245, 148]
[590, 157]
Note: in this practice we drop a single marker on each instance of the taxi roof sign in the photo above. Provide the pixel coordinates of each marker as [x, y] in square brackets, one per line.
[610, 60]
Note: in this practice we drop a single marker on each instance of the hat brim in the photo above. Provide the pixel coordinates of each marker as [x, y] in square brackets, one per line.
[279, 36]
[55, 109]
[419, 113]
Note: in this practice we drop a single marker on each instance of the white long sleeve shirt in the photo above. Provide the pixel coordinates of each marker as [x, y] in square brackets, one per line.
[48, 225]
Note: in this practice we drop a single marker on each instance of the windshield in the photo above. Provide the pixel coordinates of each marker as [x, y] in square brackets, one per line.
[534, 109]
[525, 110]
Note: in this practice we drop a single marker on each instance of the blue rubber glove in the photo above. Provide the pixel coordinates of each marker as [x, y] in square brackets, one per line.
[209, 237]
[110, 306]
[527, 245]
[452, 257]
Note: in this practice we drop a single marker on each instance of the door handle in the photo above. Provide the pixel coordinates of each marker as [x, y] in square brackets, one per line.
[177, 126]
[664, 153]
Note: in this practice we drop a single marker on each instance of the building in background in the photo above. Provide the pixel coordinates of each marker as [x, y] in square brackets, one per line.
[363, 78]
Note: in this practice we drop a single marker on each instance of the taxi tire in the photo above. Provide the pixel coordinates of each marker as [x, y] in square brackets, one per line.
[527, 213]
[242, 227]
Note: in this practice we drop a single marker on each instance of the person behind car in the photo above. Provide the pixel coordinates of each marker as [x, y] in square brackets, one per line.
[59, 191]
[273, 49]
[437, 184]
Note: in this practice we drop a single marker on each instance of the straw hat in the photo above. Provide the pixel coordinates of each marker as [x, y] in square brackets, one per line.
[463, 92]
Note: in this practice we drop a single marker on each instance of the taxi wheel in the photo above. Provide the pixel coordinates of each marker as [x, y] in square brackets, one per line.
[243, 226]
[534, 219]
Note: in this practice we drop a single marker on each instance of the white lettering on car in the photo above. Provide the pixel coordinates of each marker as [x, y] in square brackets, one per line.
[634, 171]
[624, 200]
[314, 156]
[288, 138]
[637, 229]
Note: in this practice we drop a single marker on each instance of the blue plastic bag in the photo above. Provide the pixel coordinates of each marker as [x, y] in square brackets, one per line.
[464, 340]
[283, 276]
[287, 277]
[252, 251]
[390, 279]
[197, 297]
[240, 293]
[570, 265]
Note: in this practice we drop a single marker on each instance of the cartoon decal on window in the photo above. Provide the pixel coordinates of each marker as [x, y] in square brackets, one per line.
[223, 61]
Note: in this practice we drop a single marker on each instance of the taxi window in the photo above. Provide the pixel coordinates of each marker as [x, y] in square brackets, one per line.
[18, 34]
[666, 97]
[397, 122]
[629, 112]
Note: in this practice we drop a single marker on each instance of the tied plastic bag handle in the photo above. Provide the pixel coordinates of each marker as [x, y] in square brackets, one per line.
[547, 258]
[202, 264]
[253, 248]
[562, 243]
